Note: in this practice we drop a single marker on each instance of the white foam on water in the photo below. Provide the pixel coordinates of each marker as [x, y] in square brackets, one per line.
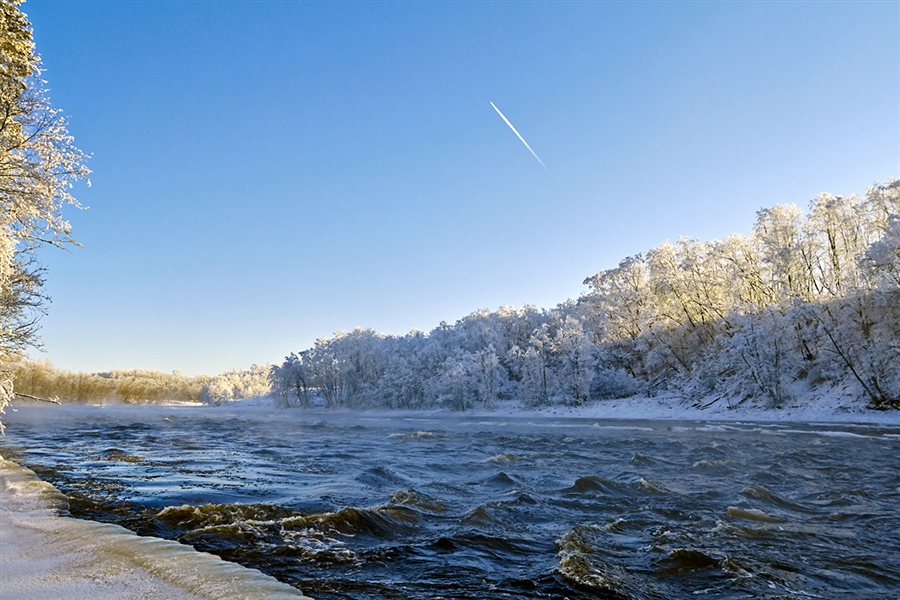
[827, 433]
[46, 555]
[753, 514]
[622, 427]
[717, 428]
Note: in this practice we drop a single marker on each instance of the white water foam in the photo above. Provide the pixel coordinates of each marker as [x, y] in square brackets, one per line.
[45, 555]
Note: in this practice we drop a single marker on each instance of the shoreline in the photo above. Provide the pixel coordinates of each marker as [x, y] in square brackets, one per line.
[44, 554]
[831, 408]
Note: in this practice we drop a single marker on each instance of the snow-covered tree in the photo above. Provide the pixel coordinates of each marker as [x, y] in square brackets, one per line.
[574, 361]
[807, 299]
[38, 165]
[238, 384]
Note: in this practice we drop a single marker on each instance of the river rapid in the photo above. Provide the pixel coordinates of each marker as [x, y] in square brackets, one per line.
[377, 506]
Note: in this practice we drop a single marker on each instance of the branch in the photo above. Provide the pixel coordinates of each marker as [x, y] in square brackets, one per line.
[53, 400]
[708, 404]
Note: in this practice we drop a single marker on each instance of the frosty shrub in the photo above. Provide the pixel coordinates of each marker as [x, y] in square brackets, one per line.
[615, 383]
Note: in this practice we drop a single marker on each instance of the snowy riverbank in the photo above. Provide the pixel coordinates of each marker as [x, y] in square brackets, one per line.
[810, 408]
[833, 408]
[45, 555]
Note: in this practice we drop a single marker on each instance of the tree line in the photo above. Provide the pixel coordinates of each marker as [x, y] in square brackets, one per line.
[42, 380]
[805, 302]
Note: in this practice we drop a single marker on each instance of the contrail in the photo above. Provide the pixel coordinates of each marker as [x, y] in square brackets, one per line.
[502, 116]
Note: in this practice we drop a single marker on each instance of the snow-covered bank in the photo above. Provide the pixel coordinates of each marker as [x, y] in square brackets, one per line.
[834, 408]
[44, 555]
[823, 410]
[813, 408]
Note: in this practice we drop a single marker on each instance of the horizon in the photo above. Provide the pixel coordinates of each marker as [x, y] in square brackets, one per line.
[295, 170]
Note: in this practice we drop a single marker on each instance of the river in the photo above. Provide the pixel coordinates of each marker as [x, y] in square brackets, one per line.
[378, 506]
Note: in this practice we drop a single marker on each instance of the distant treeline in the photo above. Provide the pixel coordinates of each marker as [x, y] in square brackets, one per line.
[805, 302]
[42, 379]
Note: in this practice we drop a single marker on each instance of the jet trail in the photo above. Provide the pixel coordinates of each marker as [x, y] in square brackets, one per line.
[519, 135]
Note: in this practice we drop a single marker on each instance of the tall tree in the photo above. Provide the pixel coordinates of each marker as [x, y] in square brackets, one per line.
[38, 165]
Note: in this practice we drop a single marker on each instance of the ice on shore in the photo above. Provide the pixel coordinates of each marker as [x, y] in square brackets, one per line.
[44, 554]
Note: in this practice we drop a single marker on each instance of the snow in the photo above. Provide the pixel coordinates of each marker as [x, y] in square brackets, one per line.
[821, 408]
[45, 555]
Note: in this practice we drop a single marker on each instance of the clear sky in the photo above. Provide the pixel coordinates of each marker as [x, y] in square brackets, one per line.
[266, 173]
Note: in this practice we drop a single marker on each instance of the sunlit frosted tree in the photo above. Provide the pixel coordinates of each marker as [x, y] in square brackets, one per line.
[38, 165]
[238, 384]
[805, 300]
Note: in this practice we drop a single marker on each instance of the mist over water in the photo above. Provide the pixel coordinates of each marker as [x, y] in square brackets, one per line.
[373, 506]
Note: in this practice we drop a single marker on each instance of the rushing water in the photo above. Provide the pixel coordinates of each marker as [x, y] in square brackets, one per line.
[459, 507]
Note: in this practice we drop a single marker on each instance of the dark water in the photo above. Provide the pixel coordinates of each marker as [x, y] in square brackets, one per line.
[457, 507]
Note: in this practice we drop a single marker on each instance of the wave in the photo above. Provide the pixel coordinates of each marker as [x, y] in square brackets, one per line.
[380, 476]
[752, 514]
[608, 487]
[827, 433]
[380, 521]
[417, 500]
[682, 560]
[758, 492]
[723, 467]
[590, 566]
[500, 480]
[622, 427]
[189, 517]
[414, 435]
[501, 548]
[480, 515]
[639, 458]
[247, 532]
[503, 458]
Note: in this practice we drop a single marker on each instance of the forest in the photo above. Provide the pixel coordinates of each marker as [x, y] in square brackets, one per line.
[807, 303]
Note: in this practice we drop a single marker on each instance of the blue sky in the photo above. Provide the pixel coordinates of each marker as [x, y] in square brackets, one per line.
[266, 173]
